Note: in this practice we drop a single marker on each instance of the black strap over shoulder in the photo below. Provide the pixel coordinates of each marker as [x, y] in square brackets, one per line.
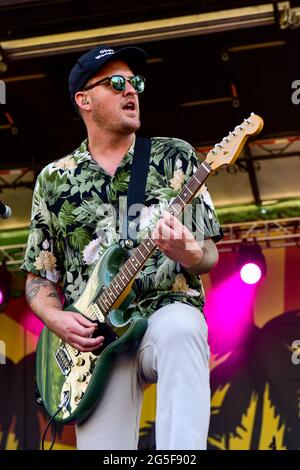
[139, 171]
[136, 190]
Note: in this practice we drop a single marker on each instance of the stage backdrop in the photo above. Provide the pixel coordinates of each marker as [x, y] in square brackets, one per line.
[255, 383]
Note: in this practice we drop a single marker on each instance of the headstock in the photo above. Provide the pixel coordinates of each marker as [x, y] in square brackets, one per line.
[228, 150]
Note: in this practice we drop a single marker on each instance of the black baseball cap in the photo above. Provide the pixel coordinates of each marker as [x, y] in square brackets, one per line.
[91, 62]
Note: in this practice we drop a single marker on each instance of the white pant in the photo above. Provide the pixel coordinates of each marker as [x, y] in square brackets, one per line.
[174, 354]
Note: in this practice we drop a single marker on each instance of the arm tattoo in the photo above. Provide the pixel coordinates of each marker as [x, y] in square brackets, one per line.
[54, 294]
[34, 286]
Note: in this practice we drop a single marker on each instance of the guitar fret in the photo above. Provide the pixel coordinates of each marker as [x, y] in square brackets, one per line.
[181, 199]
[199, 182]
[111, 289]
[173, 209]
[195, 185]
[138, 260]
[116, 286]
[108, 303]
[106, 307]
[187, 187]
[120, 279]
[110, 293]
[100, 304]
[132, 265]
[103, 296]
[141, 255]
[147, 245]
[206, 166]
[147, 249]
[145, 255]
[177, 202]
[190, 185]
[115, 294]
[135, 260]
[106, 297]
[127, 268]
[144, 252]
[123, 275]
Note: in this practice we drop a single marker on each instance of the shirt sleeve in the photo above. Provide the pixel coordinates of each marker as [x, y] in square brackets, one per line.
[212, 228]
[40, 256]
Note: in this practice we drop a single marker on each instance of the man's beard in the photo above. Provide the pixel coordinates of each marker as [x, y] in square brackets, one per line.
[130, 127]
[127, 126]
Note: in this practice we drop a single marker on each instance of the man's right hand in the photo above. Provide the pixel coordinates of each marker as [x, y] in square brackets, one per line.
[74, 329]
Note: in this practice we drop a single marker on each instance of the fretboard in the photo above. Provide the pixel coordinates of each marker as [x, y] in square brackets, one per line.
[140, 254]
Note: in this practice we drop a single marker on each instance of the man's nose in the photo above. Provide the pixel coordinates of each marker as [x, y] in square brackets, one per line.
[129, 88]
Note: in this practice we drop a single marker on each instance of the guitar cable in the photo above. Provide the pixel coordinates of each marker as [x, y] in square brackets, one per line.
[62, 404]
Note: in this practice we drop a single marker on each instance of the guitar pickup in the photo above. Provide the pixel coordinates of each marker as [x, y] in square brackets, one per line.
[63, 360]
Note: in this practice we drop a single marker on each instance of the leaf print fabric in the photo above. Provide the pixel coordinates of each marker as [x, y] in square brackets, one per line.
[76, 209]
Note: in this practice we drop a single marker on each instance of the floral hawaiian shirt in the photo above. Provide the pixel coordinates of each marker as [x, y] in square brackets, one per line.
[75, 218]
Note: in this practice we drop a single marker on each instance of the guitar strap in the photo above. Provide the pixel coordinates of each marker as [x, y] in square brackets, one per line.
[136, 192]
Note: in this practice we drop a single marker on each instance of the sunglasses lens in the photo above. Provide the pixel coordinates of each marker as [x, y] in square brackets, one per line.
[118, 82]
[138, 83]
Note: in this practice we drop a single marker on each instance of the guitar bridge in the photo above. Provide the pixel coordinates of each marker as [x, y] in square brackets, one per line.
[63, 360]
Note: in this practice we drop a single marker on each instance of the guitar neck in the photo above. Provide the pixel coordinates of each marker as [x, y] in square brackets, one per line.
[132, 266]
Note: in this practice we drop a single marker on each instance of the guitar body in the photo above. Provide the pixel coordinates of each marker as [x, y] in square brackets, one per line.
[78, 379]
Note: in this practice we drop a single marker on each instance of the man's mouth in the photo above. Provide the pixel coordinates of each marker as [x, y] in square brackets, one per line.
[130, 106]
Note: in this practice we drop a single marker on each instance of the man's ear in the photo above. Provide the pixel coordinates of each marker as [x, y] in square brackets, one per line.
[82, 100]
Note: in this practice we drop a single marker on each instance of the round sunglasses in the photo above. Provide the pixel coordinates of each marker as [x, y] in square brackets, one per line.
[118, 83]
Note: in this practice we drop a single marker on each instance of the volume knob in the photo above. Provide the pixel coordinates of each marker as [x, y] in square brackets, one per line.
[78, 396]
[80, 361]
[80, 378]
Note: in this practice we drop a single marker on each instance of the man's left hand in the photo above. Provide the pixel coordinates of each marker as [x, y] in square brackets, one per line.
[177, 242]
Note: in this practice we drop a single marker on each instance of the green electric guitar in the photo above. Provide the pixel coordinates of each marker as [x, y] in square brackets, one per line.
[71, 382]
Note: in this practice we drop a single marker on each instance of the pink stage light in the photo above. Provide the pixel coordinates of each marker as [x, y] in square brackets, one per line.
[251, 263]
[1, 297]
[250, 273]
[229, 313]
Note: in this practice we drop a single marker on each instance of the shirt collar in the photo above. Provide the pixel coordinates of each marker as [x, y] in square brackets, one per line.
[82, 154]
